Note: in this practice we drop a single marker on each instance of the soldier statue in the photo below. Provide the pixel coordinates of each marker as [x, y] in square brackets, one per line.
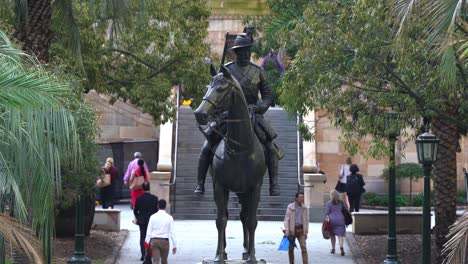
[253, 80]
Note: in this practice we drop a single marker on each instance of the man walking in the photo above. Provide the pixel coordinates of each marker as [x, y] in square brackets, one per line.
[160, 232]
[145, 206]
[132, 166]
[296, 225]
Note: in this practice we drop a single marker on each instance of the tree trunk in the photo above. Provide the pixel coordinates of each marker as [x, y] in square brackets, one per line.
[445, 178]
[35, 32]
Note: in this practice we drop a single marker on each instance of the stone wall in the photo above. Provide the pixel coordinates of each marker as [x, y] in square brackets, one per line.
[121, 121]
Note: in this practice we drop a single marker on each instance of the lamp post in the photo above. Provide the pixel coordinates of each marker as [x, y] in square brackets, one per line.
[426, 145]
[391, 127]
[79, 256]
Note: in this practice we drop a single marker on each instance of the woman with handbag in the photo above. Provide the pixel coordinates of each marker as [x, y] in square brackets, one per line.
[341, 184]
[107, 183]
[138, 177]
[337, 221]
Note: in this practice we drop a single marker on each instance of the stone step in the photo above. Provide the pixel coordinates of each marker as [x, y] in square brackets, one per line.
[189, 206]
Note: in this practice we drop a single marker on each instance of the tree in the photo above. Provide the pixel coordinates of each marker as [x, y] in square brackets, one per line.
[131, 50]
[37, 132]
[349, 67]
[411, 171]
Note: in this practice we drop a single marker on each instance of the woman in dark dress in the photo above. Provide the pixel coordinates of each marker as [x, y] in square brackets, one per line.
[107, 193]
[354, 188]
[337, 222]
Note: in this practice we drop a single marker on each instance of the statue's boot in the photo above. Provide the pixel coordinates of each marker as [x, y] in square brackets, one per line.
[272, 164]
[203, 165]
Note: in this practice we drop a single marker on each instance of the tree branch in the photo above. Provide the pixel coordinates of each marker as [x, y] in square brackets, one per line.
[167, 65]
[131, 54]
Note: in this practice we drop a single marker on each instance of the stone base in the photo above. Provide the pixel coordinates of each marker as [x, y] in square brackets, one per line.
[107, 220]
[232, 261]
[316, 214]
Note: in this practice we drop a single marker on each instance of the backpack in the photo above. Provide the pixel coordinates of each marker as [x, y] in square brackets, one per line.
[353, 185]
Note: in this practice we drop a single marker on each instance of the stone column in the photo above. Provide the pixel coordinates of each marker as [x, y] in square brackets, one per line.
[313, 180]
[161, 177]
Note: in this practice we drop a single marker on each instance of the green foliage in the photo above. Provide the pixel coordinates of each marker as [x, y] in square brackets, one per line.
[410, 171]
[401, 200]
[461, 197]
[274, 79]
[373, 199]
[368, 196]
[136, 51]
[418, 200]
[81, 178]
[276, 27]
[37, 133]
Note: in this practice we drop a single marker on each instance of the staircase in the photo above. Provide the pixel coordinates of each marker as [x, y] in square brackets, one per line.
[187, 205]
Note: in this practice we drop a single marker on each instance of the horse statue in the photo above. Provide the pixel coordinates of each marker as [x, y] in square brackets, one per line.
[238, 163]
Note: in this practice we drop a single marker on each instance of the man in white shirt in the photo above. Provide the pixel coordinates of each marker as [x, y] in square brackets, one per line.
[159, 233]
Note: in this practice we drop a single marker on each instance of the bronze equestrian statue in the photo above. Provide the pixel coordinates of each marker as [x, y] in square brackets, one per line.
[252, 80]
[238, 162]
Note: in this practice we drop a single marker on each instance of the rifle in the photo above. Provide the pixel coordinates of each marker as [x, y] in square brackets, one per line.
[225, 48]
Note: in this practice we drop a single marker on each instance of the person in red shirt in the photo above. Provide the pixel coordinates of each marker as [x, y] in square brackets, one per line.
[140, 171]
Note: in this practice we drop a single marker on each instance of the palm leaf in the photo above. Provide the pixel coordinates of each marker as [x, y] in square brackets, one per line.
[20, 237]
[36, 133]
[455, 248]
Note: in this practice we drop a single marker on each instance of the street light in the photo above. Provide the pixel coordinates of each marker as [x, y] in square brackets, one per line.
[392, 131]
[426, 145]
[79, 254]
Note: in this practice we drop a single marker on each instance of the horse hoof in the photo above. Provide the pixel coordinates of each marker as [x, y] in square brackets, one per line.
[218, 260]
[245, 256]
[251, 260]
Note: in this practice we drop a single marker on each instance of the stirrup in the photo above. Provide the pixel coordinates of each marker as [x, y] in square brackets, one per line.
[200, 190]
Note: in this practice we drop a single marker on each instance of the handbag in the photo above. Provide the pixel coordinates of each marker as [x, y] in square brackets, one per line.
[326, 228]
[347, 215]
[104, 181]
[340, 187]
[284, 244]
[137, 182]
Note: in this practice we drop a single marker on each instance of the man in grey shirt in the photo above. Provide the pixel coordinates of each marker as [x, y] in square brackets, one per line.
[296, 225]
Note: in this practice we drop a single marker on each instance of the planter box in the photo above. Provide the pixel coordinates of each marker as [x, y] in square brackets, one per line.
[375, 222]
[107, 220]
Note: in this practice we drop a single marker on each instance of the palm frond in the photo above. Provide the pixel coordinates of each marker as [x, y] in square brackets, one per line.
[403, 12]
[36, 133]
[455, 248]
[20, 237]
[444, 14]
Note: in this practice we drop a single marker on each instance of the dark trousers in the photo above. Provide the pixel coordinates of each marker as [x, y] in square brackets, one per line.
[107, 197]
[354, 203]
[142, 239]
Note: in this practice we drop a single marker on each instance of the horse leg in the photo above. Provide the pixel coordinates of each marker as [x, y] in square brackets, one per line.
[221, 197]
[252, 201]
[243, 218]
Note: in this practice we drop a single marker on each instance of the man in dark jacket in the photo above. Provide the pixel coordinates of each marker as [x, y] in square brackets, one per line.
[145, 206]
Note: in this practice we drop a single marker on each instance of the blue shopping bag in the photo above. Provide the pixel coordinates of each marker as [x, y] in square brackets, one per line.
[284, 245]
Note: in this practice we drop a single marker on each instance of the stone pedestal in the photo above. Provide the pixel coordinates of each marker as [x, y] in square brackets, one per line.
[160, 185]
[313, 195]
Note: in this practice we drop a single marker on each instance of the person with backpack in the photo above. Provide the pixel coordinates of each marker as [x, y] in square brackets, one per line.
[354, 188]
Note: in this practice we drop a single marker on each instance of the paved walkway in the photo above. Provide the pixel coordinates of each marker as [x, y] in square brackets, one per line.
[196, 240]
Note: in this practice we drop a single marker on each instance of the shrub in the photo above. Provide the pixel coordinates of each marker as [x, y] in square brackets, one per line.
[401, 200]
[368, 196]
[461, 197]
[418, 200]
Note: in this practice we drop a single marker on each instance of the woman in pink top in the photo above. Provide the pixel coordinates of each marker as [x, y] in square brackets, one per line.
[140, 171]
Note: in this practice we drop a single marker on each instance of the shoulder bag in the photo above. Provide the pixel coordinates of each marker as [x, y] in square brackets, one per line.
[347, 215]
